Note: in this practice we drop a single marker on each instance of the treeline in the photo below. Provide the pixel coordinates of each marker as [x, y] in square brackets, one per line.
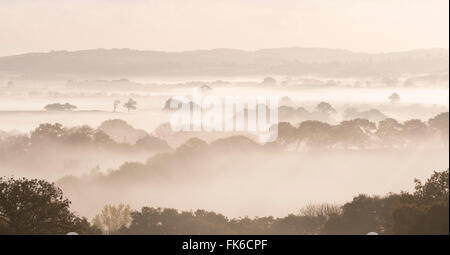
[323, 112]
[38, 207]
[425, 211]
[55, 148]
[356, 133]
[362, 133]
[48, 138]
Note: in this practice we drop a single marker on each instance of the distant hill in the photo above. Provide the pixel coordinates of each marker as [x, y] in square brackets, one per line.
[224, 62]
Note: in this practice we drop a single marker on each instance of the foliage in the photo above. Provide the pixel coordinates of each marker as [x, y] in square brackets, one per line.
[38, 207]
[324, 107]
[423, 212]
[426, 211]
[60, 107]
[130, 104]
[394, 98]
[31, 206]
[55, 137]
[362, 133]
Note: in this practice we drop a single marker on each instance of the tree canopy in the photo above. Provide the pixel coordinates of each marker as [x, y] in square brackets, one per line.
[60, 107]
[32, 206]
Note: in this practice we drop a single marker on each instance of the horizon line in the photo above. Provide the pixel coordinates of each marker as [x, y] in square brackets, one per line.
[223, 48]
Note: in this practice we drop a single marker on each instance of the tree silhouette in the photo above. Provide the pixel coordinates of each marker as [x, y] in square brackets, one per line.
[315, 133]
[37, 207]
[60, 107]
[440, 123]
[389, 131]
[426, 210]
[394, 98]
[436, 188]
[269, 81]
[47, 132]
[362, 215]
[325, 108]
[414, 129]
[354, 132]
[130, 104]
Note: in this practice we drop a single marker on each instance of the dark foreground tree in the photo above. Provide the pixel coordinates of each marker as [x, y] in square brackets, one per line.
[426, 211]
[31, 206]
[362, 215]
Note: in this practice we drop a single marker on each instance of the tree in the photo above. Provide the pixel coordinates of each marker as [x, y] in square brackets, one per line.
[163, 131]
[426, 210]
[389, 131]
[152, 143]
[32, 206]
[113, 218]
[362, 215]
[269, 81]
[325, 108]
[317, 134]
[440, 124]
[121, 131]
[321, 214]
[394, 98]
[356, 132]
[60, 107]
[414, 129]
[372, 115]
[286, 133]
[78, 135]
[435, 189]
[116, 103]
[47, 132]
[130, 105]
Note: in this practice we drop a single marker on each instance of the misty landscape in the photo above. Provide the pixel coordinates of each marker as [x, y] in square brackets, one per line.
[362, 142]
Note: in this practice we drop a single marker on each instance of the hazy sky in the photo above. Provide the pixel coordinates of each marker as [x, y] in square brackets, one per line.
[176, 25]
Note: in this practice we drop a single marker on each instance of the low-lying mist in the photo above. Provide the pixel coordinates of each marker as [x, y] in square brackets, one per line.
[373, 137]
[244, 181]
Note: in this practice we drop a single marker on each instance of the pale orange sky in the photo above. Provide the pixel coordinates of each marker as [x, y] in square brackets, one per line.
[177, 25]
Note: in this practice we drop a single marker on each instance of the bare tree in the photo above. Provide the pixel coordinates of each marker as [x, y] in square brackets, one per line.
[112, 218]
[324, 211]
